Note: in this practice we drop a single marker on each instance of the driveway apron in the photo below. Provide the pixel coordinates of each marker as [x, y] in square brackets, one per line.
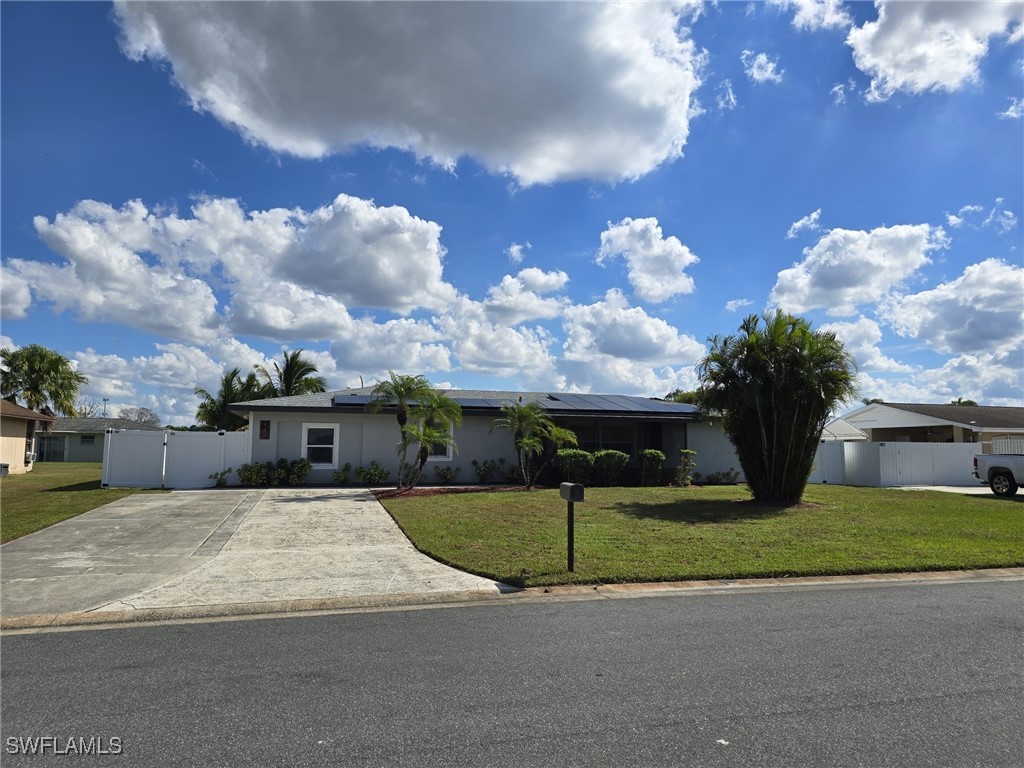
[266, 546]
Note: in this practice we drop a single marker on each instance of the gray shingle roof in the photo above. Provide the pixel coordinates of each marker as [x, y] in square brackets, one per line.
[975, 416]
[485, 399]
[100, 425]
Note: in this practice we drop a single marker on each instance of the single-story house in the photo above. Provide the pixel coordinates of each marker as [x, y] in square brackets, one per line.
[18, 427]
[82, 439]
[841, 429]
[333, 429]
[926, 423]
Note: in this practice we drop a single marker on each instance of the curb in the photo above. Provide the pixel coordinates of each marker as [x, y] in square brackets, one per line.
[323, 606]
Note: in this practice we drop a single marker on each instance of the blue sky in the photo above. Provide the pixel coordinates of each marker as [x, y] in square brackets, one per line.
[564, 196]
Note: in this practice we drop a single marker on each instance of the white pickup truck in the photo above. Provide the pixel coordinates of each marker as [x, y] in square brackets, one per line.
[1002, 472]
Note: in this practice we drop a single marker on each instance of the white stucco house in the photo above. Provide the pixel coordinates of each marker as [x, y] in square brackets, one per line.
[931, 423]
[332, 429]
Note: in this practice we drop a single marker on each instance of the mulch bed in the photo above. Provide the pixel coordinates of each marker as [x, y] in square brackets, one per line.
[440, 490]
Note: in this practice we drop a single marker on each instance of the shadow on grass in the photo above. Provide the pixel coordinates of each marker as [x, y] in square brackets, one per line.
[92, 485]
[725, 511]
[1018, 499]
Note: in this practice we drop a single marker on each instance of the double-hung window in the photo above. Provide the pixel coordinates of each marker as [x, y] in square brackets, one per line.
[320, 445]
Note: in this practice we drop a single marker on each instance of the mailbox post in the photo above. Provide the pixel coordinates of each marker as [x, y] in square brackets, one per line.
[571, 492]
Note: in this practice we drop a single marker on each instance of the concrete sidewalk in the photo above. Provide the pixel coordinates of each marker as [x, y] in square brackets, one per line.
[197, 549]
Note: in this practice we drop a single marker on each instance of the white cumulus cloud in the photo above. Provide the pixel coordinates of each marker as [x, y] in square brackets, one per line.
[915, 47]
[543, 92]
[1015, 111]
[518, 298]
[861, 339]
[655, 264]
[761, 69]
[815, 14]
[808, 222]
[981, 310]
[847, 268]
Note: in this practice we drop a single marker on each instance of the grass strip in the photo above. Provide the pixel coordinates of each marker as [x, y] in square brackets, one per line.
[670, 534]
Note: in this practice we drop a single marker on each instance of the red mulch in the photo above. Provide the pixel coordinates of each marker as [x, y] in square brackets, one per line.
[438, 490]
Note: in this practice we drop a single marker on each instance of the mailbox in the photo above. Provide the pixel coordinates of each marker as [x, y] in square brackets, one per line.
[571, 491]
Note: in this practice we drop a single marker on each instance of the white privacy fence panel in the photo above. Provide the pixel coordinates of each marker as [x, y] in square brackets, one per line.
[829, 464]
[133, 459]
[171, 459]
[883, 465]
[193, 456]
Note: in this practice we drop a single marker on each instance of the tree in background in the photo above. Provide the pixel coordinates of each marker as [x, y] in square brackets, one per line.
[295, 377]
[213, 411]
[535, 437]
[775, 385]
[690, 397]
[140, 415]
[871, 400]
[962, 401]
[41, 378]
[87, 408]
[402, 392]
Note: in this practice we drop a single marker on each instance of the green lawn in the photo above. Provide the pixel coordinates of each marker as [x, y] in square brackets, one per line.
[669, 534]
[51, 492]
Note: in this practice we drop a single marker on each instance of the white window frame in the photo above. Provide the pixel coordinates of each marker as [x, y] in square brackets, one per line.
[449, 449]
[336, 428]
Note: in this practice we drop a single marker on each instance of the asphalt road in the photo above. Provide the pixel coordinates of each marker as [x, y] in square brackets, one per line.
[919, 675]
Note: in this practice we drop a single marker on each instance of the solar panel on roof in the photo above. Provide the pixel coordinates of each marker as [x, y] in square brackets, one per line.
[630, 403]
[473, 402]
[352, 399]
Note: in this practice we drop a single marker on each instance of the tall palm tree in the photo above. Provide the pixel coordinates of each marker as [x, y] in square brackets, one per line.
[42, 378]
[295, 377]
[213, 412]
[402, 392]
[775, 385]
[534, 434]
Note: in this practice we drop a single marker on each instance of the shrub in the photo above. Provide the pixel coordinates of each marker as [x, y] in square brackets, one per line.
[576, 464]
[374, 474]
[512, 474]
[608, 466]
[651, 461]
[726, 477]
[341, 476]
[299, 470]
[687, 463]
[486, 470]
[220, 479]
[255, 475]
[446, 475]
[278, 473]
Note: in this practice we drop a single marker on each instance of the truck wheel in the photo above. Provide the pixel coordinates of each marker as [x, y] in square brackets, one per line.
[1003, 484]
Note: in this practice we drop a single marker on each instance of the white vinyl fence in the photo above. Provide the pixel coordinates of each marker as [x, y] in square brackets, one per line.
[171, 459]
[884, 465]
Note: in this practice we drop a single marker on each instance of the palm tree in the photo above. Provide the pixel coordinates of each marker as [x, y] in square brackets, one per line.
[41, 377]
[437, 413]
[775, 385]
[402, 392]
[213, 411]
[533, 434]
[295, 377]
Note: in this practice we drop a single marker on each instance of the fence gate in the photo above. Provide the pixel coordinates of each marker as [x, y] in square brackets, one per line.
[133, 459]
[171, 459]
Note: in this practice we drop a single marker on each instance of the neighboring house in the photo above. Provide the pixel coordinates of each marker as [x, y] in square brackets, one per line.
[841, 429]
[18, 428]
[924, 423]
[82, 439]
[333, 429]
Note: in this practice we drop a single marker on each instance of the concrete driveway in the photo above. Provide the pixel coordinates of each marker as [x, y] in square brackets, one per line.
[200, 549]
